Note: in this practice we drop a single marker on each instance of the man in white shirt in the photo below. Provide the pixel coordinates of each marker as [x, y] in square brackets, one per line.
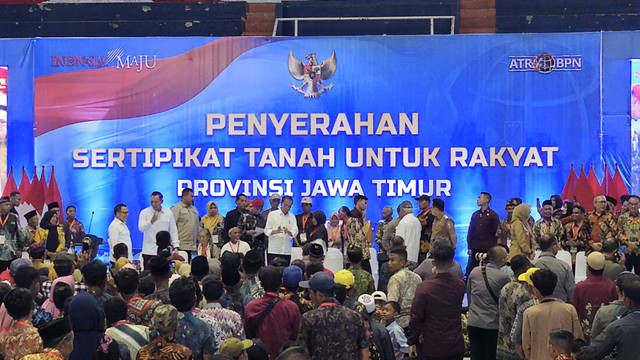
[235, 245]
[409, 228]
[119, 231]
[153, 219]
[281, 228]
[187, 222]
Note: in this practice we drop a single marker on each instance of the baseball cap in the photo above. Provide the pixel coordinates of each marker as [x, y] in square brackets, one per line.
[306, 200]
[379, 295]
[526, 276]
[291, 276]
[17, 264]
[595, 260]
[320, 281]
[274, 196]
[406, 205]
[165, 316]
[358, 198]
[234, 347]
[368, 302]
[345, 277]
[257, 203]
[423, 197]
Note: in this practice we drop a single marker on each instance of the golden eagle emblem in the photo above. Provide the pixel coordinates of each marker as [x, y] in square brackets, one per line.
[312, 74]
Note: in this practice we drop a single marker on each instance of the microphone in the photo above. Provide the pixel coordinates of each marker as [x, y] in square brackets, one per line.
[90, 222]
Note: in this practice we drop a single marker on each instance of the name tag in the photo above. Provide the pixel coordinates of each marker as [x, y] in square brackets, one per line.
[303, 237]
[2, 239]
[214, 239]
[574, 249]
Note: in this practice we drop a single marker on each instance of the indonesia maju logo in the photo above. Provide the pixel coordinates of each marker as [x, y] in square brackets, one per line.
[312, 74]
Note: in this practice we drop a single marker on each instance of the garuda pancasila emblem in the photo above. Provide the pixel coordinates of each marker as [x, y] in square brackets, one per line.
[312, 74]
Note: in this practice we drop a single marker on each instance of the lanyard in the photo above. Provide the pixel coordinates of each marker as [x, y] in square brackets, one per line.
[231, 247]
[71, 224]
[574, 230]
[304, 221]
[328, 304]
[21, 323]
[346, 234]
[271, 294]
[313, 232]
[54, 354]
[548, 225]
[121, 322]
[134, 299]
[2, 222]
[335, 232]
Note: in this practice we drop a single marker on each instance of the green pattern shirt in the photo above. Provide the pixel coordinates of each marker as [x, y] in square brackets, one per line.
[363, 282]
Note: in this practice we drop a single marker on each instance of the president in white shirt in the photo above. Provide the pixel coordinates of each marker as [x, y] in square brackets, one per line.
[281, 228]
[119, 231]
[409, 228]
[153, 219]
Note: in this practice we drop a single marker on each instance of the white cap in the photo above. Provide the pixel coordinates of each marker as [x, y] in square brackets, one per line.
[379, 295]
[368, 302]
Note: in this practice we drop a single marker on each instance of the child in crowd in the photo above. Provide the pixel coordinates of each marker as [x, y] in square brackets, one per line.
[390, 311]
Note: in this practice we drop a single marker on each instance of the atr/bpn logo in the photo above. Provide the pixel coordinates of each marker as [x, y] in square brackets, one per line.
[545, 63]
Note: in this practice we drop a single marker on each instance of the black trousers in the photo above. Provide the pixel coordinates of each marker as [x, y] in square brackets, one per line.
[473, 262]
[483, 343]
[632, 262]
[271, 257]
[452, 357]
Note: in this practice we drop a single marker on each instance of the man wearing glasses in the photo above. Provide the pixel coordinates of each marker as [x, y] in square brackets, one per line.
[118, 230]
[603, 224]
[629, 233]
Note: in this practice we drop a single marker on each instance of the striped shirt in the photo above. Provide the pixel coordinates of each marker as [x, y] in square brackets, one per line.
[230, 321]
[133, 336]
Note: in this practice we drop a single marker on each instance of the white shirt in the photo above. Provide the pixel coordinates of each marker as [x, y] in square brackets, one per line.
[119, 233]
[280, 243]
[240, 247]
[165, 222]
[409, 229]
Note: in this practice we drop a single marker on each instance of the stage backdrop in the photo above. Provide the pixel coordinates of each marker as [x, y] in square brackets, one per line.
[390, 117]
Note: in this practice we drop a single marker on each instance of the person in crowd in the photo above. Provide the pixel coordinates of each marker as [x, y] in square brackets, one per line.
[165, 347]
[380, 340]
[511, 297]
[57, 339]
[146, 286]
[302, 221]
[343, 289]
[503, 233]
[622, 334]
[592, 293]
[629, 234]
[281, 227]
[22, 338]
[95, 276]
[435, 312]
[387, 217]
[565, 283]
[560, 344]
[577, 233]
[199, 268]
[482, 230]
[364, 283]
[8, 274]
[160, 273]
[385, 272]
[139, 310]
[33, 224]
[410, 229]
[64, 264]
[613, 259]
[119, 231]
[36, 255]
[294, 353]
[87, 321]
[624, 207]
[611, 203]
[603, 224]
[443, 226]
[153, 219]
[126, 334]
[521, 242]
[343, 217]
[614, 310]
[187, 222]
[26, 277]
[251, 225]
[235, 245]
[53, 305]
[54, 206]
[235, 348]
[15, 198]
[390, 312]
[193, 332]
[231, 323]
[232, 217]
[291, 277]
[356, 234]
[317, 231]
[73, 228]
[251, 264]
[334, 233]
[426, 222]
[402, 284]
[516, 329]
[214, 222]
[331, 326]
[274, 202]
[269, 318]
[483, 288]
[232, 281]
[426, 269]
[206, 245]
[558, 206]
[50, 233]
[539, 320]
[547, 224]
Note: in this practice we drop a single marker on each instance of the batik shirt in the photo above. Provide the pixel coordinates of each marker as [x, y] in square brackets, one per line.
[512, 296]
[516, 329]
[541, 227]
[401, 288]
[73, 231]
[580, 234]
[504, 231]
[215, 327]
[602, 226]
[22, 339]
[363, 282]
[195, 334]
[245, 223]
[29, 235]
[140, 311]
[10, 228]
[233, 301]
[230, 322]
[333, 332]
[379, 232]
[251, 289]
[46, 354]
[164, 349]
[357, 238]
[629, 230]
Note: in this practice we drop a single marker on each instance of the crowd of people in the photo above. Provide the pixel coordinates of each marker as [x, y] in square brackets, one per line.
[237, 294]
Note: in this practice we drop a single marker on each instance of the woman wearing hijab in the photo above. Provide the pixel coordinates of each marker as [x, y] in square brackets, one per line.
[49, 304]
[318, 232]
[87, 321]
[521, 232]
[334, 235]
[50, 233]
[214, 222]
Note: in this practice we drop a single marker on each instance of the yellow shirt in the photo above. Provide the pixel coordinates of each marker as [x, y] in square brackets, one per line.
[41, 237]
